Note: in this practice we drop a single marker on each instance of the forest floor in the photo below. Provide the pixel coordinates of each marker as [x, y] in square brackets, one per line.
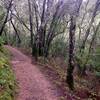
[32, 84]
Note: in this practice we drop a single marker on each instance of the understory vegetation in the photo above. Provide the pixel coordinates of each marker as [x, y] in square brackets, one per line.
[7, 79]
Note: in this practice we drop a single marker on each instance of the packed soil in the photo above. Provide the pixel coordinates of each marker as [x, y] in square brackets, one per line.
[32, 83]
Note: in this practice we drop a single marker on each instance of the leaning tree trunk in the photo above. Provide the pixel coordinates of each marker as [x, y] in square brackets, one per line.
[6, 18]
[70, 69]
[16, 32]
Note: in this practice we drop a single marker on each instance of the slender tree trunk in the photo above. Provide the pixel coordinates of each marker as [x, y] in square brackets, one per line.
[42, 31]
[31, 26]
[5, 34]
[6, 18]
[70, 69]
[16, 32]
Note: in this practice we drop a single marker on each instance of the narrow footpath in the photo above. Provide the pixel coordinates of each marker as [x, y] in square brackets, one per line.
[32, 84]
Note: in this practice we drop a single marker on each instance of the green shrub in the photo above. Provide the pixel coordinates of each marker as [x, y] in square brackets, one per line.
[59, 47]
[97, 74]
[1, 41]
[7, 79]
[96, 59]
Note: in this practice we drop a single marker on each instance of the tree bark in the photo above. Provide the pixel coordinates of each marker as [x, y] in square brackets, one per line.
[5, 21]
[70, 69]
[16, 32]
[42, 31]
[70, 79]
[31, 26]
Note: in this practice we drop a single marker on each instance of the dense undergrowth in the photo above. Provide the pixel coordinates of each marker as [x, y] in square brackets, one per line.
[7, 79]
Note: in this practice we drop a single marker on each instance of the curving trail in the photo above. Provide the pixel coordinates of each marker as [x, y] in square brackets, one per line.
[31, 82]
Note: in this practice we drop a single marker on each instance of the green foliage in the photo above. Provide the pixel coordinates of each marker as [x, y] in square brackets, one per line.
[7, 79]
[97, 74]
[82, 59]
[2, 14]
[1, 41]
[95, 59]
[59, 47]
[25, 43]
[13, 40]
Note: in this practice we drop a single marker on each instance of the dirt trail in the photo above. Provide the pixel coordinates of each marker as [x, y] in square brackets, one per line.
[31, 82]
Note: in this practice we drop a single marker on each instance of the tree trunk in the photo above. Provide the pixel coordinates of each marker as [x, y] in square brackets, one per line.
[31, 26]
[42, 31]
[5, 21]
[16, 32]
[70, 69]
